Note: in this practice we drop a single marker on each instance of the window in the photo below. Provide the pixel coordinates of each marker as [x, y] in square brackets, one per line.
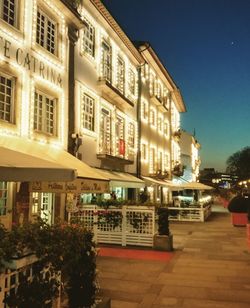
[106, 61]
[152, 117]
[160, 161]
[88, 42]
[8, 11]
[120, 130]
[166, 132]
[120, 74]
[43, 206]
[152, 161]
[3, 198]
[132, 82]
[7, 85]
[144, 109]
[131, 135]
[105, 132]
[166, 161]
[45, 114]
[46, 32]
[144, 151]
[88, 112]
[160, 124]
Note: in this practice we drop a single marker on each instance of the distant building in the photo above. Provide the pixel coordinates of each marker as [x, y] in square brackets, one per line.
[216, 179]
[190, 158]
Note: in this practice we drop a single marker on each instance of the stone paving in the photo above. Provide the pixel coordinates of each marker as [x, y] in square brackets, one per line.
[210, 269]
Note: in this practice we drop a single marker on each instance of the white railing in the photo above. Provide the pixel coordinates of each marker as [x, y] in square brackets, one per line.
[10, 278]
[126, 225]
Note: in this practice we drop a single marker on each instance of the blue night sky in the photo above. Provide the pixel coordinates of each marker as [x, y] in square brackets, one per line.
[205, 46]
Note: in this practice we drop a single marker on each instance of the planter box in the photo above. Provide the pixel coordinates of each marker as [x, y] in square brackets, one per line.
[239, 219]
[19, 262]
[163, 242]
[104, 302]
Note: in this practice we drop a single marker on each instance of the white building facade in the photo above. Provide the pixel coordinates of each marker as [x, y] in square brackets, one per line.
[106, 96]
[159, 117]
[33, 99]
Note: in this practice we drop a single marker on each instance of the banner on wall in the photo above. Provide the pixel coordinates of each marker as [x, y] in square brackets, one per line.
[78, 186]
[121, 147]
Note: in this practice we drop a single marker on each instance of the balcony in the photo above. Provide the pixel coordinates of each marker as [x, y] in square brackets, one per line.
[113, 95]
[160, 175]
[178, 170]
[177, 135]
[159, 102]
[122, 154]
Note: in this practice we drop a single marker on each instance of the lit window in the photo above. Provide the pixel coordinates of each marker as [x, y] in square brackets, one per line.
[7, 85]
[152, 117]
[105, 132]
[166, 161]
[46, 32]
[160, 124]
[132, 82]
[88, 42]
[120, 136]
[3, 198]
[8, 11]
[120, 74]
[160, 161]
[152, 161]
[144, 109]
[144, 151]
[166, 130]
[131, 135]
[106, 61]
[44, 113]
[88, 109]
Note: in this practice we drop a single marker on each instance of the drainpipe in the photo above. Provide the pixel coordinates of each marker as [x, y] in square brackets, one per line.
[138, 163]
[73, 38]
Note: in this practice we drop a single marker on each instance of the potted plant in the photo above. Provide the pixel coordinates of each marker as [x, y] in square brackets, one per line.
[163, 240]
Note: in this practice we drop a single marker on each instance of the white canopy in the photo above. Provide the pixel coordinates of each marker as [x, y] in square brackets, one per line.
[191, 185]
[121, 179]
[28, 160]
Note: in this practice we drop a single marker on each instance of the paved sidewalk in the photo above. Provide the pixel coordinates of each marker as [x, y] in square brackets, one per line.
[210, 269]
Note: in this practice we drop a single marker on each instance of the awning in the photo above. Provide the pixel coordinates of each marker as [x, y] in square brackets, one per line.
[16, 166]
[158, 182]
[42, 156]
[192, 185]
[121, 179]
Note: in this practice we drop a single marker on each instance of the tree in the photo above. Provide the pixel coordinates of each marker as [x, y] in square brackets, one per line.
[239, 163]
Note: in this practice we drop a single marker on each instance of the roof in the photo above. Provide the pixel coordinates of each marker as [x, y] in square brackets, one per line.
[146, 47]
[115, 26]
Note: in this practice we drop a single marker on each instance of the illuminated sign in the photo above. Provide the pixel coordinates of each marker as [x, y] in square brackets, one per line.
[78, 186]
[29, 61]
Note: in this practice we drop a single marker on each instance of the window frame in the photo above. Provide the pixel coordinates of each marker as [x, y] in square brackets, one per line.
[15, 12]
[106, 57]
[131, 83]
[3, 198]
[45, 129]
[53, 21]
[131, 135]
[88, 124]
[152, 117]
[120, 78]
[12, 97]
[88, 39]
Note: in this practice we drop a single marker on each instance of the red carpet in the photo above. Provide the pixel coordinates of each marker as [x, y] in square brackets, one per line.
[139, 254]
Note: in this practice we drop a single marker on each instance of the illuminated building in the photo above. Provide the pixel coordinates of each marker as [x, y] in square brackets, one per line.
[106, 96]
[159, 124]
[34, 80]
[190, 158]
